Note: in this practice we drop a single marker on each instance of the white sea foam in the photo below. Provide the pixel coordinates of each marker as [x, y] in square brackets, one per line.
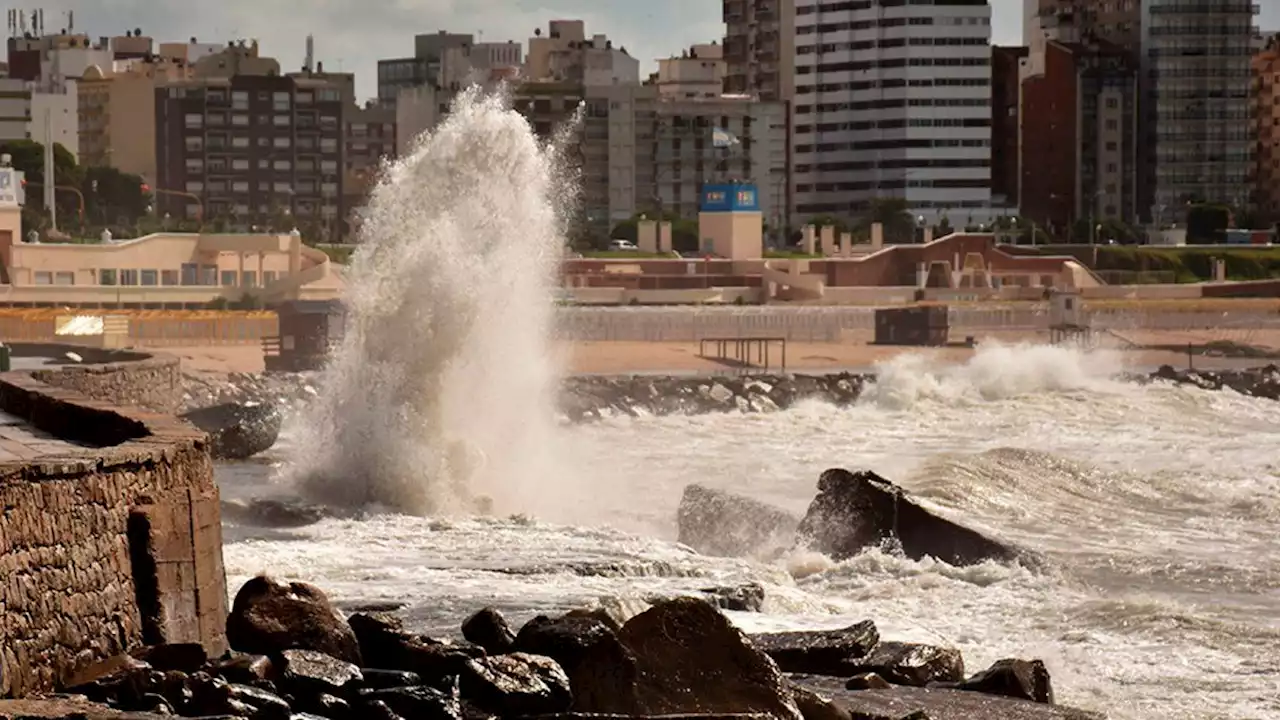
[442, 388]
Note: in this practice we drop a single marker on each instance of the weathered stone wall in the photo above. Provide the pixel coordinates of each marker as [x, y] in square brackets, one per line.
[154, 383]
[107, 546]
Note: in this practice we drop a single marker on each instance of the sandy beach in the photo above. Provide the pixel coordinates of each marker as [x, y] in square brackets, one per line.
[854, 352]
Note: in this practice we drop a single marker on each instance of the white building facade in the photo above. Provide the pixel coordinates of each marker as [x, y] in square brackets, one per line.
[893, 100]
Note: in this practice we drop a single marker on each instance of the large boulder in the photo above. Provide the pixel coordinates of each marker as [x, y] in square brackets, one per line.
[693, 660]
[822, 652]
[935, 703]
[601, 670]
[383, 640]
[715, 522]
[516, 684]
[911, 664]
[238, 430]
[856, 511]
[270, 616]
[1011, 677]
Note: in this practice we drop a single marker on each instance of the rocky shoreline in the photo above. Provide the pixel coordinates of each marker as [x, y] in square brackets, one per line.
[295, 657]
[591, 396]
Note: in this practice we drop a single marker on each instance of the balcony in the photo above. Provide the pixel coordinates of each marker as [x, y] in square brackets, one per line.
[1215, 7]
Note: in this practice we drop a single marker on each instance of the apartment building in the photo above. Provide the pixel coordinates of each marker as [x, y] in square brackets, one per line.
[15, 109]
[1266, 94]
[1080, 118]
[116, 112]
[1006, 122]
[370, 138]
[893, 101]
[676, 153]
[697, 73]
[759, 47]
[255, 150]
[1196, 63]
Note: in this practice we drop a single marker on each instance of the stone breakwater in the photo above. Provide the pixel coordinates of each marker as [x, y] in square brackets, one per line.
[590, 397]
[295, 656]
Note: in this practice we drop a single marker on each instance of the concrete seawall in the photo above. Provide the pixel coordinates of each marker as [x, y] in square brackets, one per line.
[110, 536]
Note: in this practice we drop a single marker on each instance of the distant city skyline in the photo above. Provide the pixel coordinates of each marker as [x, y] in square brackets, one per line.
[352, 37]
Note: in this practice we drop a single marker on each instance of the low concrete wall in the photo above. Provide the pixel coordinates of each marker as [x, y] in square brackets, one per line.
[104, 548]
[153, 381]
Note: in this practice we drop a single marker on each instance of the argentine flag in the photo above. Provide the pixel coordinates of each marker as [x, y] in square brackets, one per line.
[722, 138]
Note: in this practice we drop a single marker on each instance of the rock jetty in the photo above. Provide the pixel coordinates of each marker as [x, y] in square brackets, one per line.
[295, 657]
[852, 512]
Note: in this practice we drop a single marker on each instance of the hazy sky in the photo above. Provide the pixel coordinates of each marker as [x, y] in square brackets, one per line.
[353, 34]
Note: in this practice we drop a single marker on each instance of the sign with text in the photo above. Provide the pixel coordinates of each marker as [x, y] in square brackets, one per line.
[730, 198]
[10, 187]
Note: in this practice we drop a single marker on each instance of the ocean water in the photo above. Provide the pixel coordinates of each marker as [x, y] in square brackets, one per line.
[1158, 506]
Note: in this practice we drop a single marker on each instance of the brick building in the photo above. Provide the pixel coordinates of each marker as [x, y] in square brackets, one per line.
[1079, 160]
[1266, 94]
[265, 150]
[1005, 118]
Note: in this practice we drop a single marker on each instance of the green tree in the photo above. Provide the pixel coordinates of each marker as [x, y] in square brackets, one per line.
[684, 232]
[28, 157]
[894, 216]
[114, 198]
[839, 224]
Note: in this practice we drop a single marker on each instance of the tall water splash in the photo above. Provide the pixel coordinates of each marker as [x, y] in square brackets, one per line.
[443, 387]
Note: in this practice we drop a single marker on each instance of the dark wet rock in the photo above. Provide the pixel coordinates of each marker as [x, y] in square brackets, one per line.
[421, 701]
[674, 716]
[245, 669]
[269, 616]
[740, 598]
[267, 705]
[377, 679]
[174, 688]
[317, 672]
[936, 703]
[155, 703]
[308, 716]
[816, 706]
[867, 681]
[489, 629]
[376, 710]
[824, 652]
[124, 679]
[602, 671]
[1023, 679]
[716, 522]
[516, 684]
[692, 659]
[238, 430]
[272, 513]
[910, 663]
[381, 636]
[599, 614]
[854, 511]
[325, 705]
[184, 657]
[1262, 382]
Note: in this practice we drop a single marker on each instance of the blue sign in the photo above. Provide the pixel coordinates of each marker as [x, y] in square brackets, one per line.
[730, 198]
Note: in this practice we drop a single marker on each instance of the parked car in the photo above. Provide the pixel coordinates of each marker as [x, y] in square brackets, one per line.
[623, 246]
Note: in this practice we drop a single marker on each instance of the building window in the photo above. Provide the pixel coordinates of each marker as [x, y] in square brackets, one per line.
[241, 186]
[328, 144]
[190, 274]
[208, 274]
[43, 277]
[106, 277]
[240, 141]
[1113, 103]
[1112, 124]
[228, 278]
[240, 164]
[240, 100]
[240, 120]
[195, 186]
[248, 279]
[282, 165]
[193, 120]
[64, 278]
[304, 97]
[149, 277]
[280, 120]
[1111, 146]
[169, 278]
[195, 165]
[128, 277]
[268, 277]
[280, 102]
[280, 141]
[329, 96]
[194, 143]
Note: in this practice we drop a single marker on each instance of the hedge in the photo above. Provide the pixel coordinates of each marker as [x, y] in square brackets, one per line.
[1190, 264]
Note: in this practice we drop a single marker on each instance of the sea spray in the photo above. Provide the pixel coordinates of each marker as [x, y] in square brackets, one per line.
[442, 389]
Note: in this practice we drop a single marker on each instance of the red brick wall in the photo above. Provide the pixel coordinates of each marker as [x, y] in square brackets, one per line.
[1050, 120]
